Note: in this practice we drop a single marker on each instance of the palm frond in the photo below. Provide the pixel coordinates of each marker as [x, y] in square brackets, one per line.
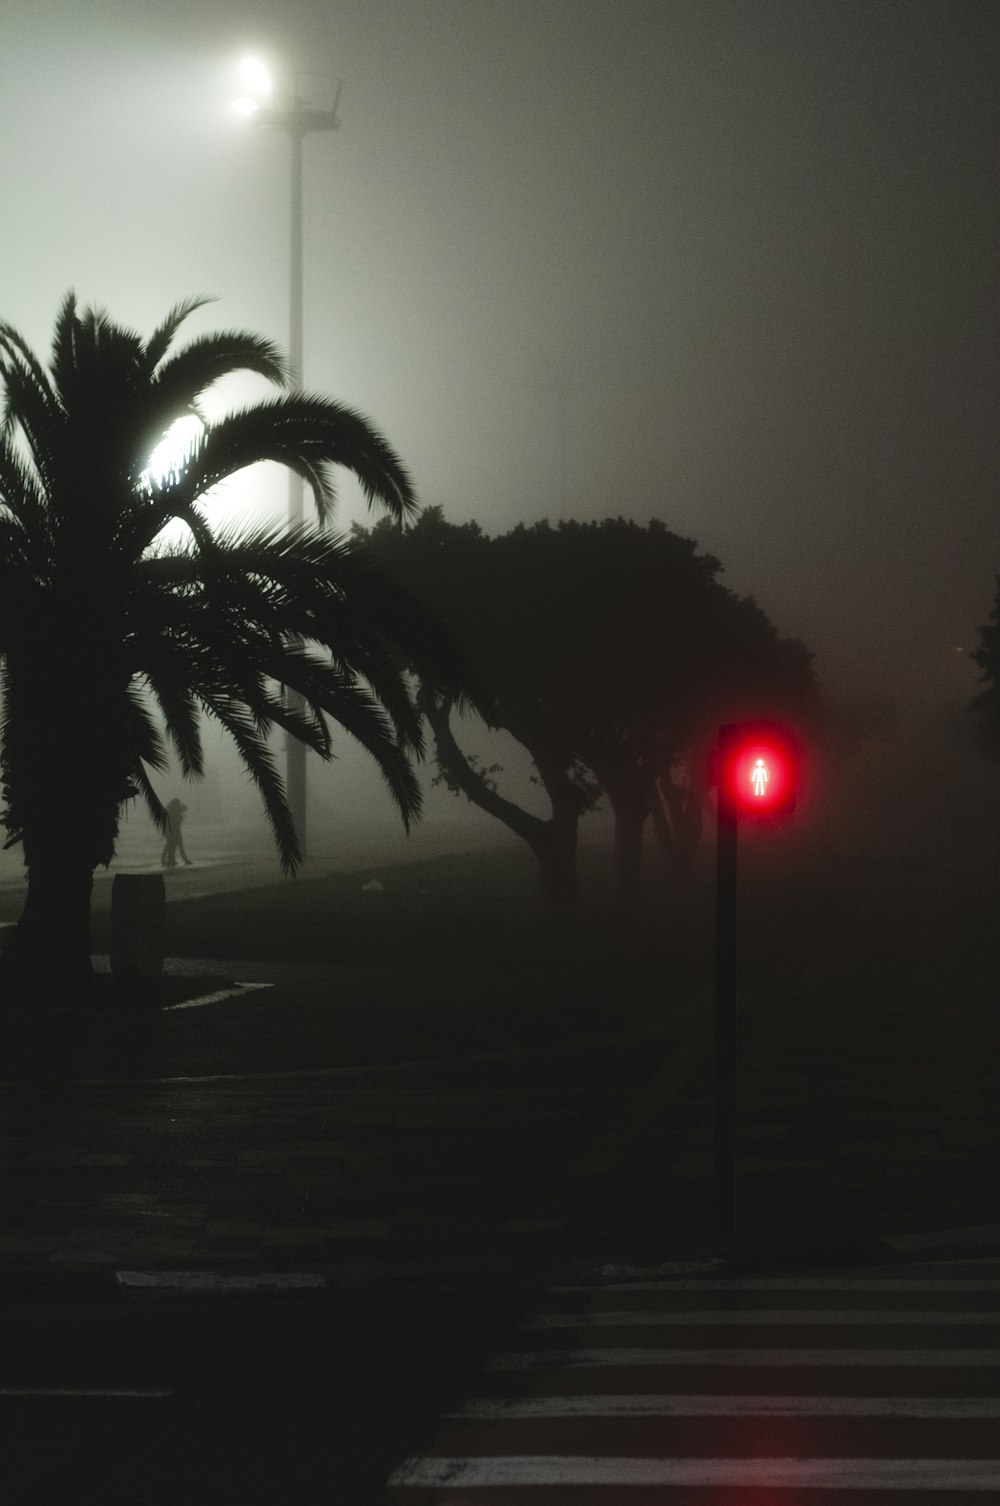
[162, 337]
[180, 715]
[259, 763]
[360, 715]
[152, 800]
[180, 380]
[23, 497]
[31, 405]
[306, 434]
[274, 708]
[144, 734]
[141, 638]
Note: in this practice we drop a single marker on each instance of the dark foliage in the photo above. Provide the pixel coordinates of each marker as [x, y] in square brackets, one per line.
[611, 652]
[986, 705]
[112, 643]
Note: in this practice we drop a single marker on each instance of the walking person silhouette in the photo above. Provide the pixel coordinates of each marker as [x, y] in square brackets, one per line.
[175, 842]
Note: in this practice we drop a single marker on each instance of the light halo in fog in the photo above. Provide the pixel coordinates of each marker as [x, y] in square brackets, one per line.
[166, 461]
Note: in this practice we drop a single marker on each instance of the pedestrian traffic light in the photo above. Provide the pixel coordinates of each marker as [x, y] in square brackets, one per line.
[757, 770]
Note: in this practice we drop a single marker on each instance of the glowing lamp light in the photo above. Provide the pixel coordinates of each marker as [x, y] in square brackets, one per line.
[758, 770]
[256, 76]
[257, 81]
[174, 449]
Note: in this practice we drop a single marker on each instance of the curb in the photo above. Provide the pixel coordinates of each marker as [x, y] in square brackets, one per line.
[971, 1243]
[138, 1285]
[979, 1242]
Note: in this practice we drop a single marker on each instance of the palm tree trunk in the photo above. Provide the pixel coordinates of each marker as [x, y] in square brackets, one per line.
[48, 952]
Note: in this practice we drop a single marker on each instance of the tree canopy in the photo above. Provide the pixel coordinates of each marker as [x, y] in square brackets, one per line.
[986, 704]
[611, 652]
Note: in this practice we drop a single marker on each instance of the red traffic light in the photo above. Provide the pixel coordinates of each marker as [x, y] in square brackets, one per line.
[757, 770]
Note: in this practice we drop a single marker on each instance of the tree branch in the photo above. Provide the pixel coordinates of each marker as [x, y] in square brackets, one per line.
[461, 775]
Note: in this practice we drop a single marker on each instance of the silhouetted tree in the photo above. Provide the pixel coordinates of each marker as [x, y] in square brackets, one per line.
[611, 652]
[677, 656]
[102, 626]
[502, 600]
[986, 705]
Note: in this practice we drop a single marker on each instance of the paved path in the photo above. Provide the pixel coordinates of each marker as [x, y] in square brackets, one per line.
[840, 1389]
[867, 1099]
[868, 1106]
[270, 1176]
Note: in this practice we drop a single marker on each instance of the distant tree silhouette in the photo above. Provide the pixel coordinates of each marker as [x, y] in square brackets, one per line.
[676, 656]
[103, 630]
[498, 597]
[611, 652]
[985, 705]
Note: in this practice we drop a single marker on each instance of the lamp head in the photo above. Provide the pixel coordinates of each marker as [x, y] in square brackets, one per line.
[257, 81]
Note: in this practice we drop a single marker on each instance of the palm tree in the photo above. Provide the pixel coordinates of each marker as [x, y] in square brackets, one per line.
[112, 643]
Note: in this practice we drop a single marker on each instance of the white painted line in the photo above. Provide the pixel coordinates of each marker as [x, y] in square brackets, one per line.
[111, 1392]
[766, 1474]
[791, 1284]
[912, 1244]
[625, 1274]
[932, 1359]
[952, 1409]
[720, 1318]
[236, 992]
[431, 1064]
[211, 1284]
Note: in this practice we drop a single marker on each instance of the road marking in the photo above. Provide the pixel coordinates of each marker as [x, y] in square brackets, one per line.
[767, 1474]
[112, 1392]
[236, 992]
[546, 1430]
[871, 1317]
[211, 1284]
[948, 1408]
[913, 1244]
[935, 1359]
[831, 1284]
[432, 1064]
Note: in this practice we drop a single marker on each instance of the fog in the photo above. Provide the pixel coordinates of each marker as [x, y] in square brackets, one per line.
[731, 265]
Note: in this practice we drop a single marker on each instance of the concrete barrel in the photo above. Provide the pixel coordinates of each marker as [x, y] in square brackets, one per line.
[138, 902]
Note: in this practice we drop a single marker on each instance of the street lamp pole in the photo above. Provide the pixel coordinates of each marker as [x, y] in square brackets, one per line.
[298, 119]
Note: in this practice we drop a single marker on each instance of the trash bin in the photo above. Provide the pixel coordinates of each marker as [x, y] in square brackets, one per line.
[138, 902]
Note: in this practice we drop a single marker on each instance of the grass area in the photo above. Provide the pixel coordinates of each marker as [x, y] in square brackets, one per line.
[867, 1078]
[482, 909]
[452, 957]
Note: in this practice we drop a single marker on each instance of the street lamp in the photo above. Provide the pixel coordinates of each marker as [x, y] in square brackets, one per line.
[292, 114]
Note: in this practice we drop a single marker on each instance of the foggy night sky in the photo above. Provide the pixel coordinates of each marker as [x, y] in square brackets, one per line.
[748, 248]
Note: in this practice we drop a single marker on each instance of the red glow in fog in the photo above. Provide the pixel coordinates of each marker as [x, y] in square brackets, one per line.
[758, 772]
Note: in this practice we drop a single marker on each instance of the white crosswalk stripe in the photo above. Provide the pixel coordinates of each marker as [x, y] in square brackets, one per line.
[880, 1391]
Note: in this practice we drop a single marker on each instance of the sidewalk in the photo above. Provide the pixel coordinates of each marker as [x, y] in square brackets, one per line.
[868, 1108]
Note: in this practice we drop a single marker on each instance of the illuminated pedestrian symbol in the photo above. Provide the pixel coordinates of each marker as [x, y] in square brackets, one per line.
[759, 776]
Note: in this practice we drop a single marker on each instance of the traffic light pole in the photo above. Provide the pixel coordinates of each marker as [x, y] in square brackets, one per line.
[724, 1143]
[757, 776]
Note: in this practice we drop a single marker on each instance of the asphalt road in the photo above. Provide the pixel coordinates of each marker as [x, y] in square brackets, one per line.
[299, 1401]
[138, 1403]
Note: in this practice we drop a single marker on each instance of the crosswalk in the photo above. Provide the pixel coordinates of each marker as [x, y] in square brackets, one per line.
[781, 1391]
